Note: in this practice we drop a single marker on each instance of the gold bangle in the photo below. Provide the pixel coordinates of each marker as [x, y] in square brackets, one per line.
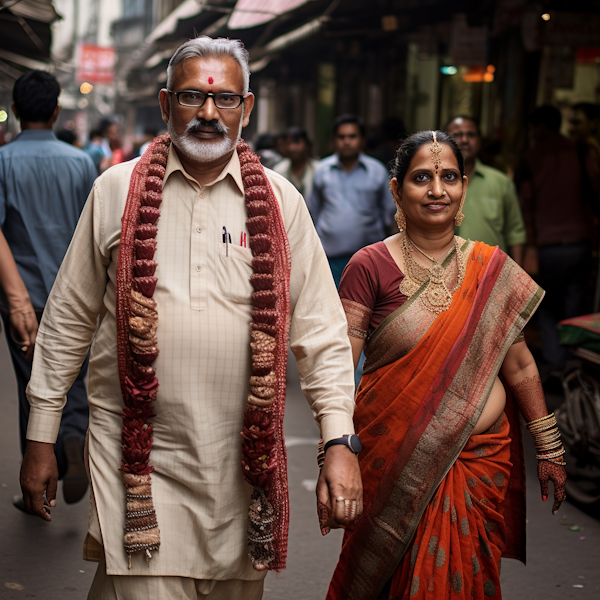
[546, 447]
[541, 419]
[550, 455]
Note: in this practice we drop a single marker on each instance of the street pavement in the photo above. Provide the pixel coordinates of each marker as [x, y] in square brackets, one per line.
[43, 560]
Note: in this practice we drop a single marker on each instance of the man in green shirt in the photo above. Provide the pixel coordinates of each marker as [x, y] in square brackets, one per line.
[492, 212]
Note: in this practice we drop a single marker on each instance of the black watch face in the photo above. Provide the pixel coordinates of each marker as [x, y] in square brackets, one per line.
[354, 443]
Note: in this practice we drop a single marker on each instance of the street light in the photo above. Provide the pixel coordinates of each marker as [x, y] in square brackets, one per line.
[3, 116]
[86, 88]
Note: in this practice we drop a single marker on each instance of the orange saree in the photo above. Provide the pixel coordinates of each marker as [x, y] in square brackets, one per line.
[439, 502]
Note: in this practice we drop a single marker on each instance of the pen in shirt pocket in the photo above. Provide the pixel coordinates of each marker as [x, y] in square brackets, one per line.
[226, 240]
[243, 240]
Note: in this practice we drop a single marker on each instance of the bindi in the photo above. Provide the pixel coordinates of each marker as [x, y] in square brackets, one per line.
[210, 80]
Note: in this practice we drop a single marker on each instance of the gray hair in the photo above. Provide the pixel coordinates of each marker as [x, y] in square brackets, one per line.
[216, 47]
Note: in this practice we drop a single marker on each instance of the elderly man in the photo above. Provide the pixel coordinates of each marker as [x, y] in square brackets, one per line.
[492, 208]
[183, 506]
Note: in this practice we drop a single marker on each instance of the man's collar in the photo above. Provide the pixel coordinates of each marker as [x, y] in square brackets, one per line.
[231, 168]
[360, 162]
[36, 134]
[478, 170]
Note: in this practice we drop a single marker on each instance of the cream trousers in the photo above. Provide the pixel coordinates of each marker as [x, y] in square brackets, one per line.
[133, 587]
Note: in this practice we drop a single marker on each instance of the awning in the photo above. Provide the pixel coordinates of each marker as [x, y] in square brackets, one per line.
[250, 13]
[23, 61]
[168, 25]
[25, 28]
[39, 10]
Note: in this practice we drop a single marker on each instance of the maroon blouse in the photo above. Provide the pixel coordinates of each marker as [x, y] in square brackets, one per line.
[369, 289]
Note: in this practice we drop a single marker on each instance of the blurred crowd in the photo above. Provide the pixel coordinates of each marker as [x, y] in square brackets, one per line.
[543, 210]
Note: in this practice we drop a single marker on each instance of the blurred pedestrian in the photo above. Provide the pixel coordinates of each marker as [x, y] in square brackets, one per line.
[299, 167]
[558, 220]
[196, 239]
[492, 210]
[112, 144]
[43, 186]
[391, 133]
[264, 146]
[67, 136]
[351, 204]
[94, 150]
[584, 127]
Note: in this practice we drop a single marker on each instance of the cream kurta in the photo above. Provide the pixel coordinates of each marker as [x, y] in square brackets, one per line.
[204, 305]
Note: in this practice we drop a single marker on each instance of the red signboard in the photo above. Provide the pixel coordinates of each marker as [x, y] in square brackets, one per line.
[96, 64]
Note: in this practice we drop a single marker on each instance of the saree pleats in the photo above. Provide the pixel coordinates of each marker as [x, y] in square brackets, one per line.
[460, 540]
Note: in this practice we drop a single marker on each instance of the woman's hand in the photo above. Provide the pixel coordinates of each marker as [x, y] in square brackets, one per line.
[548, 470]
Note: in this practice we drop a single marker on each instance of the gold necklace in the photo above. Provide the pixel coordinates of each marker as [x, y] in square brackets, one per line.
[437, 296]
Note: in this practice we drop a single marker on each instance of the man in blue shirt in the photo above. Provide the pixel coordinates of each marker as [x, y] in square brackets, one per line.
[43, 186]
[351, 204]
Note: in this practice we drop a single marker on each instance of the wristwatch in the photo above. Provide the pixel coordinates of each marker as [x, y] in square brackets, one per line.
[352, 442]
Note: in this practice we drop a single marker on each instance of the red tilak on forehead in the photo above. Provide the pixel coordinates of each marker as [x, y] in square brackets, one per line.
[210, 80]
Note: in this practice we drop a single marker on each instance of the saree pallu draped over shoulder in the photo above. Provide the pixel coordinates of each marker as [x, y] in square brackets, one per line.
[427, 379]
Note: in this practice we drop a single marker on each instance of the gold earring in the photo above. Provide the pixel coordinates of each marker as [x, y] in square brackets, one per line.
[460, 215]
[400, 219]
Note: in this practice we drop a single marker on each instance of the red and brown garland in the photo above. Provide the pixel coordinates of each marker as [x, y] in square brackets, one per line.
[264, 460]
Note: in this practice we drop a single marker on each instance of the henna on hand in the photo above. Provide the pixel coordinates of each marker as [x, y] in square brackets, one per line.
[548, 470]
[529, 395]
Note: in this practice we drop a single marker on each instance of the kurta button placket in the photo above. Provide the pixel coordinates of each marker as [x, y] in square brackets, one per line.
[198, 251]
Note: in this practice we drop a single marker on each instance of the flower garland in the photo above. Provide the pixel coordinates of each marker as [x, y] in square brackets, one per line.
[264, 461]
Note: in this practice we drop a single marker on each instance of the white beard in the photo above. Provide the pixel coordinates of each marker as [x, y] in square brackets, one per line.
[203, 151]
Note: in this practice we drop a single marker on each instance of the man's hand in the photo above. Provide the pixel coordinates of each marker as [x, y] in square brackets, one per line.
[23, 328]
[339, 489]
[39, 476]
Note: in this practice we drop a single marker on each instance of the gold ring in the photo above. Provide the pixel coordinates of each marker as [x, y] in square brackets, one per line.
[340, 499]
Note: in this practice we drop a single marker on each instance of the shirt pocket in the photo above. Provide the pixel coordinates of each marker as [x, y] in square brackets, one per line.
[233, 274]
[492, 211]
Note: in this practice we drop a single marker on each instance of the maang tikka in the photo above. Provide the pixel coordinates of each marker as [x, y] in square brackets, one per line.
[436, 159]
[436, 152]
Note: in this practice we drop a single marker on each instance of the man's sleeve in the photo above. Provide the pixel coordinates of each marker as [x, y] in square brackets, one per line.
[318, 331]
[514, 225]
[69, 323]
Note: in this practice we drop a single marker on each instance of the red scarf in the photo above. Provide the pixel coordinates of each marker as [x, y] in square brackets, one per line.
[264, 460]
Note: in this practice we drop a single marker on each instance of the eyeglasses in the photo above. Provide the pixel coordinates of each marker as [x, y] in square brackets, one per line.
[196, 99]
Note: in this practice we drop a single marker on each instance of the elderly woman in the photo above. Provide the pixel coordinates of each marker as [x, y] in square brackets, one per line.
[440, 319]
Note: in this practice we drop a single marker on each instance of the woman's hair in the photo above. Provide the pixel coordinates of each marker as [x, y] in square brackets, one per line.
[410, 146]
